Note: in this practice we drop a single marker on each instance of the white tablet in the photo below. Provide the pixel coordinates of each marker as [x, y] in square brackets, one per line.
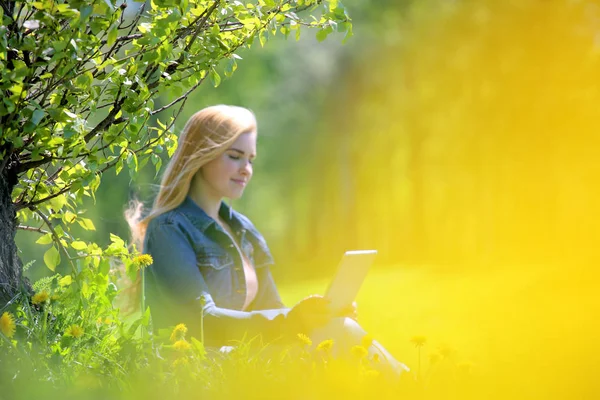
[350, 275]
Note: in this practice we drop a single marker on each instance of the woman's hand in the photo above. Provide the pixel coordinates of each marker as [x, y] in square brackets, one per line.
[310, 313]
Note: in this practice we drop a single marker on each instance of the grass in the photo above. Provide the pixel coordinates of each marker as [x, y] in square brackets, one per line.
[528, 331]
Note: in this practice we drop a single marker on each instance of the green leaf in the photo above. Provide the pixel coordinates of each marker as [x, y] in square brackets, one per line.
[112, 35]
[132, 161]
[79, 245]
[215, 78]
[66, 281]
[37, 116]
[52, 258]
[46, 239]
[322, 34]
[199, 346]
[86, 224]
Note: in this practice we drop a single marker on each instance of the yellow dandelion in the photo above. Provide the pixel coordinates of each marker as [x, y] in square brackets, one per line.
[366, 341]
[178, 332]
[418, 341]
[325, 345]
[304, 339]
[181, 345]
[99, 321]
[74, 330]
[40, 297]
[359, 352]
[107, 321]
[143, 260]
[7, 324]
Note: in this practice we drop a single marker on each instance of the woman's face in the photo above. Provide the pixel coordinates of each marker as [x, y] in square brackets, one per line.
[228, 174]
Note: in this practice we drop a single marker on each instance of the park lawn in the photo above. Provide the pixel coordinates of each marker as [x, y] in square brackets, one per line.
[526, 331]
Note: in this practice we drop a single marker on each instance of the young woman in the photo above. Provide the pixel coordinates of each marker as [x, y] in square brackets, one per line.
[210, 260]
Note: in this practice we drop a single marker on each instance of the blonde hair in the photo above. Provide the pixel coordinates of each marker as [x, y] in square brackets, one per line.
[206, 135]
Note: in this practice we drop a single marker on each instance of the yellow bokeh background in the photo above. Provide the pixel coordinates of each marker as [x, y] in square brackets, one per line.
[466, 152]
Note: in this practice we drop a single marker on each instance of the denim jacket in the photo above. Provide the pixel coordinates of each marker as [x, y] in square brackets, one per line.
[198, 270]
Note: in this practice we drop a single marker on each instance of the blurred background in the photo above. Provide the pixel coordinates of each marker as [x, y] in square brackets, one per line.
[458, 138]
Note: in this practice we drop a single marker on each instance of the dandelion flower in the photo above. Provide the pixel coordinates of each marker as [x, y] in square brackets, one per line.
[178, 332]
[325, 345]
[143, 260]
[359, 352]
[40, 297]
[7, 324]
[304, 339]
[74, 330]
[181, 345]
[418, 341]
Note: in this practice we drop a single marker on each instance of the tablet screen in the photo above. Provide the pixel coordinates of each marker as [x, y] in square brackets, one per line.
[350, 275]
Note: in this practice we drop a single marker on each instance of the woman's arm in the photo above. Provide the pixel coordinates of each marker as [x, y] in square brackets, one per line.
[177, 292]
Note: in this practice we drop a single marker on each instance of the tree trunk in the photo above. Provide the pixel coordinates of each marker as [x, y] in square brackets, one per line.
[11, 268]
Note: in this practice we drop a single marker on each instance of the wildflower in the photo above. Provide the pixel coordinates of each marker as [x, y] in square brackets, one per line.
[7, 324]
[366, 341]
[178, 332]
[418, 341]
[325, 345]
[181, 345]
[359, 352]
[304, 339]
[74, 330]
[143, 260]
[40, 297]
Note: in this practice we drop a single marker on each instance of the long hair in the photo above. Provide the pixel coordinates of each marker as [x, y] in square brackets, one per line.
[206, 135]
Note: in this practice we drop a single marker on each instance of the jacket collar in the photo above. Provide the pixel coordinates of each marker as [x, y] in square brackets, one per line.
[203, 221]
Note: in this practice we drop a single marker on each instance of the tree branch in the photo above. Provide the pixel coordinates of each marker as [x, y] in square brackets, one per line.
[32, 229]
[20, 206]
[177, 100]
[32, 164]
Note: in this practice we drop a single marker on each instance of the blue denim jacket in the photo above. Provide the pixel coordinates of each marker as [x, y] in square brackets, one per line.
[195, 259]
